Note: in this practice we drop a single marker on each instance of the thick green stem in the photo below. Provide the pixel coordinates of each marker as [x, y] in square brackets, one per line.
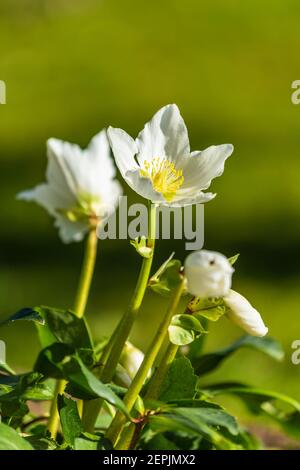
[92, 408]
[83, 290]
[149, 359]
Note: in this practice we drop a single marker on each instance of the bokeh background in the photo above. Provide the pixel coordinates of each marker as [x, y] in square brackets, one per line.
[74, 67]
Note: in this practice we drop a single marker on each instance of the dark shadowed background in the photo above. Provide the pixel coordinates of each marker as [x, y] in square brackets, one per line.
[72, 68]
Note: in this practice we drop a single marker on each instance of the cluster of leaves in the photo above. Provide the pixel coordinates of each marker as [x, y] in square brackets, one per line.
[186, 414]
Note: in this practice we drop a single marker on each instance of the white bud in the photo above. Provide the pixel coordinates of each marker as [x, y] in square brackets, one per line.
[131, 359]
[208, 274]
[244, 315]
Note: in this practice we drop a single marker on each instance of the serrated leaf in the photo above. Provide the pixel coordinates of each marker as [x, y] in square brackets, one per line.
[11, 439]
[69, 418]
[180, 381]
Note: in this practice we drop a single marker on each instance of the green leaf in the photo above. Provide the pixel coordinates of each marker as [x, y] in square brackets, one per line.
[155, 278]
[205, 422]
[41, 443]
[197, 304]
[211, 361]
[69, 418]
[290, 423]
[184, 329]
[11, 440]
[167, 278]
[80, 376]
[13, 411]
[251, 395]
[65, 327]
[27, 387]
[180, 336]
[91, 442]
[50, 360]
[212, 314]
[180, 381]
[27, 314]
[82, 443]
[211, 416]
[232, 260]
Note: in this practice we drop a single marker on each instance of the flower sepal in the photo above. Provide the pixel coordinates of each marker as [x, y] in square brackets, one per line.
[140, 244]
[212, 309]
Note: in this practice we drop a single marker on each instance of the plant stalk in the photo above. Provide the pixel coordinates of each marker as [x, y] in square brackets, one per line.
[118, 422]
[81, 299]
[122, 332]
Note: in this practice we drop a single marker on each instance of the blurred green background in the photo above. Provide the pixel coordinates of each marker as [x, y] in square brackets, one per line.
[74, 67]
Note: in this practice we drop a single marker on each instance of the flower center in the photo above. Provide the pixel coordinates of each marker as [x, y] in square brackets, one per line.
[165, 177]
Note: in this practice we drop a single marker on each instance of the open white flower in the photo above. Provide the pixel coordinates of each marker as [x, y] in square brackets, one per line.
[208, 274]
[159, 165]
[81, 190]
[241, 312]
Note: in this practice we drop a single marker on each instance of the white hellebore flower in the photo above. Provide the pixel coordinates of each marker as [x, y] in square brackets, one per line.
[208, 274]
[81, 190]
[244, 315]
[159, 165]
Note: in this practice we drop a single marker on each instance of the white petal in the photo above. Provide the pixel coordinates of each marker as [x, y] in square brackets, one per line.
[124, 150]
[181, 199]
[47, 197]
[98, 153]
[63, 165]
[202, 167]
[143, 186]
[164, 136]
[70, 231]
[244, 315]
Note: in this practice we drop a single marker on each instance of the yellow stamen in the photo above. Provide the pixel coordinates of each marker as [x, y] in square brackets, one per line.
[165, 177]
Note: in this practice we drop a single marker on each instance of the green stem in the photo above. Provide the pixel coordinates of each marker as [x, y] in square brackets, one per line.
[149, 359]
[92, 408]
[84, 285]
[158, 378]
[87, 272]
